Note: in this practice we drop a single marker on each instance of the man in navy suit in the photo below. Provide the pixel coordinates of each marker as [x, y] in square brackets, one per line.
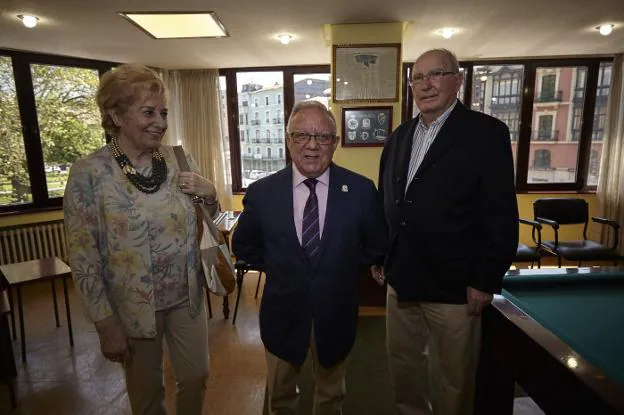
[447, 183]
[313, 226]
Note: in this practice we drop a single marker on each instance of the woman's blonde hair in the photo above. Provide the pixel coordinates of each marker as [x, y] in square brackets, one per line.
[121, 87]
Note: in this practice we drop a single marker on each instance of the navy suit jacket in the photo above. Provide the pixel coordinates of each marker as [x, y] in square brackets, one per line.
[457, 223]
[297, 292]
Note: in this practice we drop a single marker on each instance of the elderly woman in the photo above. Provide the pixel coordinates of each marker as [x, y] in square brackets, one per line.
[134, 255]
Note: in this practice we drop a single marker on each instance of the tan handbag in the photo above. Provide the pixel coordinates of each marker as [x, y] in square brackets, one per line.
[216, 261]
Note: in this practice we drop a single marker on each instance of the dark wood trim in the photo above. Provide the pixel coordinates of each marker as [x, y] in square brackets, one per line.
[51, 59]
[525, 127]
[288, 73]
[584, 146]
[297, 68]
[21, 61]
[234, 137]
[308, 69]
[289, 102]
[532, 356]
[12, 210]
[30, 130]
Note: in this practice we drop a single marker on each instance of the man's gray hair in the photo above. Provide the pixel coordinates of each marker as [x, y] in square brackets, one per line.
[303, 105]
[450, 57]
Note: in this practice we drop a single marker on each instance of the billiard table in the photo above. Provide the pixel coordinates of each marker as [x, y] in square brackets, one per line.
[559, 334]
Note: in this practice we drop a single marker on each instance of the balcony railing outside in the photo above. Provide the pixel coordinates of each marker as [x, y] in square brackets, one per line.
[545, 136]
[262, 157]
[550, 96]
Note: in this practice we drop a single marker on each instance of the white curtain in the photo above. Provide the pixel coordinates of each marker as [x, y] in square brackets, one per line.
[611, 183]
[195, 123]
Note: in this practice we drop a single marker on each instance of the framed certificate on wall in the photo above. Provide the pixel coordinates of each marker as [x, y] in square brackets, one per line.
[366, 73]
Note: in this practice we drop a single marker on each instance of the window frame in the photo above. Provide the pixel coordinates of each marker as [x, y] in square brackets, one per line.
[287, 100]
[26, 101]
[526, 114]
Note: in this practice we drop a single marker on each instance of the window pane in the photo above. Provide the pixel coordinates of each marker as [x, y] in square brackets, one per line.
[69, 120]
[312, 87]
[14, 177]
[497, 91]
[260, 105]
[557, 121]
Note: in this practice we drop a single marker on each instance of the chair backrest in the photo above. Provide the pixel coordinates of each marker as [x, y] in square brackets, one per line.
[565, 210]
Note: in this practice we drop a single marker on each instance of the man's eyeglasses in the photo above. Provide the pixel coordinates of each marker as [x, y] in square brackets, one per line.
[432, 76]
[303, 138]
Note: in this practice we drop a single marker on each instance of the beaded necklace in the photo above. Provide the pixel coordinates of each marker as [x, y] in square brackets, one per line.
[144, 184]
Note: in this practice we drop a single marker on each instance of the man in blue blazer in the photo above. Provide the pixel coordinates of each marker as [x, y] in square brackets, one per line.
[313, 226]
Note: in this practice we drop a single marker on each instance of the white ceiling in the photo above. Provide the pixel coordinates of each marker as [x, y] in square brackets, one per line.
[488, 28]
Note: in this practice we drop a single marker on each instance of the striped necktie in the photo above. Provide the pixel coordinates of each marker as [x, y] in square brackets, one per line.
[310, 230]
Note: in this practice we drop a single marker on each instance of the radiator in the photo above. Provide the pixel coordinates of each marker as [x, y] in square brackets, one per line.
[33, 241]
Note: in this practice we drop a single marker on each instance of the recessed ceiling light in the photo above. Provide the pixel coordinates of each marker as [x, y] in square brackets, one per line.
[284, 38]
[447, 32]
[174, 25]
[605, 29]
[28, 20]
[483, 78]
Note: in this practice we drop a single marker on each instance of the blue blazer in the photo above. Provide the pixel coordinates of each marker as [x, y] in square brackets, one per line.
[298, 293]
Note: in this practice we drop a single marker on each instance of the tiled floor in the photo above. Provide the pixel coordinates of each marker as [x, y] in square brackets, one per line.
[79, 381]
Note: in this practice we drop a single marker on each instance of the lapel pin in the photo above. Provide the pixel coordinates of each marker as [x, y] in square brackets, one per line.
[345, 188]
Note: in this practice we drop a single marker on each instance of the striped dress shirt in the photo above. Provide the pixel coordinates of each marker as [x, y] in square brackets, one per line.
[422, 140]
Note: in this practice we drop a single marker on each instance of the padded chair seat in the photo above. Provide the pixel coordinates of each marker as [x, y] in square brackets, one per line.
[526, 254]
[582, 250]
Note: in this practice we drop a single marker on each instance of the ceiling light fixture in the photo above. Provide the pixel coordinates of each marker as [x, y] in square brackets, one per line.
[447, 32]
[28, 20]
[605, 29]
[178, 25]
[483, 78]
[284, 38]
